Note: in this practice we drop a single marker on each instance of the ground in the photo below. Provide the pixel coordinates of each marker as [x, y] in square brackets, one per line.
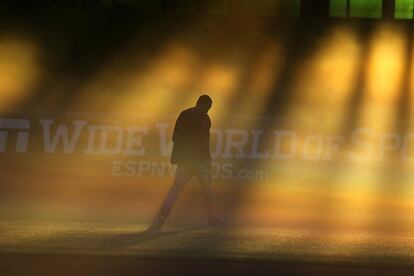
[40, 248]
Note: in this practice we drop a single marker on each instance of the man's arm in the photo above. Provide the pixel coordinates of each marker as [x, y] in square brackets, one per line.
[178, 129]
[208, 137]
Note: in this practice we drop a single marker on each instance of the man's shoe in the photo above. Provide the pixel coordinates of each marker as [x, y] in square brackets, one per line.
[158, 223]
[153, 228]
[215, 221]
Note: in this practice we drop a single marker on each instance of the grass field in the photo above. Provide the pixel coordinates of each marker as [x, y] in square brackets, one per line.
[205, 243]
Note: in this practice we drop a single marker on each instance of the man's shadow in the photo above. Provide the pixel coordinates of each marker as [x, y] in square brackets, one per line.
[130, 239]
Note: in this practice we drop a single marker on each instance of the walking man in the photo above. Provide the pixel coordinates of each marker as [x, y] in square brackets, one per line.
[191, 154]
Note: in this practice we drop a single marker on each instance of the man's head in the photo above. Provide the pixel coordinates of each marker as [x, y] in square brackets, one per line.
[204, 103]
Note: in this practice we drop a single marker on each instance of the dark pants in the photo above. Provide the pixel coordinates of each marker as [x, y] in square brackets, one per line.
[183, 175]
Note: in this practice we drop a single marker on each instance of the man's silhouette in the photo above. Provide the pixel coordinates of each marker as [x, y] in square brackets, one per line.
[191, 154]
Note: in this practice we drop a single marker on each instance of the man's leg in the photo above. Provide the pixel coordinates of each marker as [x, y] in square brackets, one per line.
[181, 178]
[204, 177]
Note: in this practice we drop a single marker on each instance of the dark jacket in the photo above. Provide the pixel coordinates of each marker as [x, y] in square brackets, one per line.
[191, 138]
